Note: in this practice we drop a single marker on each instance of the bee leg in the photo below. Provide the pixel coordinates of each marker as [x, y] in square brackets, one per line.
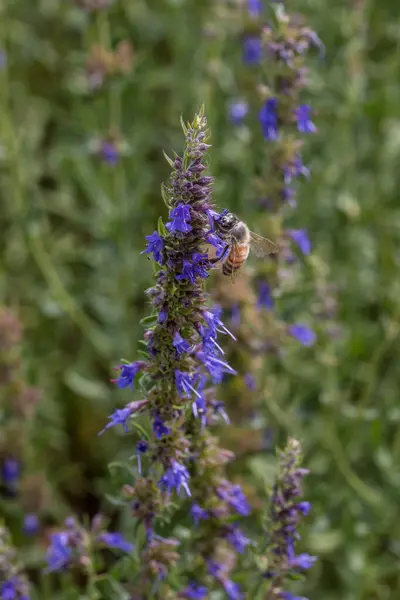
[218, 259]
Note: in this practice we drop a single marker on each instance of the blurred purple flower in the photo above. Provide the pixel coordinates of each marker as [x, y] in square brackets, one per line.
[116, 541]
[237, 111]
[269, 119]
[300, 237]
[303, 116]
[155, 244]
[305, 335]
[252, 50]
[31, 524]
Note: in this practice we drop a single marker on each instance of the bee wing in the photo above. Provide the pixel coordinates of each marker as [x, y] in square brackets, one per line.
[262, 246]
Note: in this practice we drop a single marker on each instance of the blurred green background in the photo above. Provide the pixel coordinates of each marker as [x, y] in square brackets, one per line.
[87, 103]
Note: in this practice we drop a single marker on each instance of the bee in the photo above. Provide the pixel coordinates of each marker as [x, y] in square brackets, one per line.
[239, 239]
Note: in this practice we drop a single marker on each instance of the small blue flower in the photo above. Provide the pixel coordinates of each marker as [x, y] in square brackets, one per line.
[233, 495]
[304, 507]
[303, 561]
[115, 540]
[194, 266]
[119, 417]
[13, 589]
[290, 596]
[127, 375]
[155, 245]
[265, 299]
[300, 237]
[250, 382]
[160, 428]
[180, 219]
[237, 539]
[232, 589]
[198, 514]
[194, 591]
[176, 476]
[59, 553]
[252, 50]
[181, 346]
[303, 334]
[141, 448]
[303, 116]
[254, 8]
[31, 524]
[237, 111]
[184, 385]
[269, 119]
[294, 169]
[10, 471]
[215, 366]
[110, 153]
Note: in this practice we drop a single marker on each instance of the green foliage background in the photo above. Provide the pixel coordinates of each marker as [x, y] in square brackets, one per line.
[72, 229]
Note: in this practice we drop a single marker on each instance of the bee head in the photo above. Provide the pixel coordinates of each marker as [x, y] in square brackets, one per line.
[225, 221]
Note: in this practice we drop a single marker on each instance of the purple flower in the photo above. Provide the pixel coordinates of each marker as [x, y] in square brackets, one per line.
[254, 8]
[59, 553]
[236, 538]
[265, 299]
[159, 428]
[183, 383]
[10, 472]
[293, 169]
[194, 591]
[290, 596]
[180, 219]
[31, 524]
[181, 346]
[155, 245]
[13, 589]
[141, 448]
[304, 507]
[303, 116]
[300, 237]
[215, 366]
[232, 589]
[237, 111]
[198, 514]
[119, 417]
[252, 50]
[116, 541]
[176, 476]
[269, 119]
[233, 494]
[110, 153]
[127, 375]
[303, 334]
[250, 382]
[303, 561]
[194, 266]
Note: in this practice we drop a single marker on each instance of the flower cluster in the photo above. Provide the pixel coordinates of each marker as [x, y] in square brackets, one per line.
[285, 514]
[276, 52]
[183, 358]
[13, 583]
[72, 547]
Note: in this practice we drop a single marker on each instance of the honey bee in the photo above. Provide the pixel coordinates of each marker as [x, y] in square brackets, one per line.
[239, 240]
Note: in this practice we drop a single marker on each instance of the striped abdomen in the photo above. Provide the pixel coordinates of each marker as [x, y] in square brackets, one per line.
[236, 257]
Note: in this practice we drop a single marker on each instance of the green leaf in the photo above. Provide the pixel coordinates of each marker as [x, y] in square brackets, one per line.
[162, 230]
[169, 160]
[88, 388]
[164, 194]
